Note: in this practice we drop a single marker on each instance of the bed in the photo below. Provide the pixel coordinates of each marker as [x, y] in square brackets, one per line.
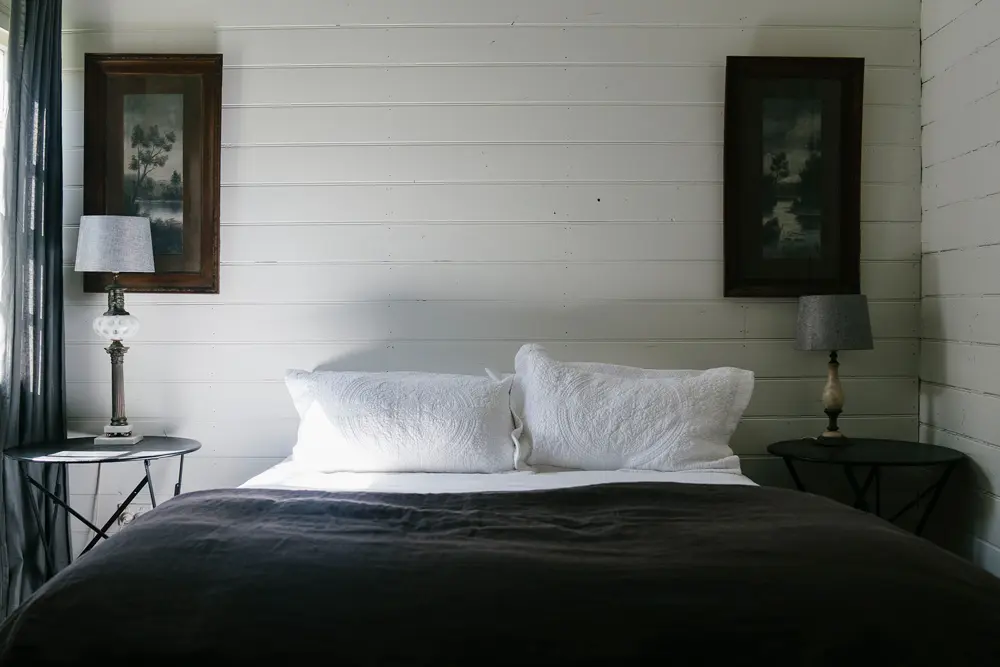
[598, 518]
[555, 568]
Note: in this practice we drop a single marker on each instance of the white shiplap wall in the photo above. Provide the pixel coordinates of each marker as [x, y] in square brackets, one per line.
[426, 185]
[960, 359]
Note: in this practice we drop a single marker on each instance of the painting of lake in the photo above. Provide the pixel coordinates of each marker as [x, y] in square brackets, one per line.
[154, 166]
[791, 188]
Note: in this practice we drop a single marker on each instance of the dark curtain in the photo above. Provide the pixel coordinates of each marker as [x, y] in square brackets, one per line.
[34, 532]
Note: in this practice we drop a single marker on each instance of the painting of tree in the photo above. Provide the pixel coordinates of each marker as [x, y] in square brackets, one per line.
[791, 182]
[154, 148]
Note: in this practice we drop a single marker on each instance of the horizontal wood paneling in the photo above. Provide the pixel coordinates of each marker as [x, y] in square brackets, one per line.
[227, 401]
[238, 362]
[936, 15]
[428, 185]
[500, 85]
[550, 124]
[967, 128]
[977, 78]
[477, 320]
[969, 366]
[508, 44]
[984, 456]
[975, 271]
[972, 319]
[962, 224]
[611, 202]
[269, 283]
[693, 13]
[962, 178]
[504, 242]
[969, 413]
[966, 34]
[493, 162]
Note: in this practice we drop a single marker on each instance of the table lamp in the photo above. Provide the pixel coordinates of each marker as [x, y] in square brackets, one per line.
[115, 244]
[833, 322]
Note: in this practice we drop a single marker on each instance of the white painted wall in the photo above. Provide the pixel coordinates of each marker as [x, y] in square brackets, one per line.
[960, 359]
[426, 185]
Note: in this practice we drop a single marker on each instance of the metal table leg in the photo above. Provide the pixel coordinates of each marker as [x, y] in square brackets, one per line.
[180, 477]
[938, 488]
[58, 501]
[794, 474]
[102, 532]
[878, 493]
[860, 491]
[149, 481]
[36, 512]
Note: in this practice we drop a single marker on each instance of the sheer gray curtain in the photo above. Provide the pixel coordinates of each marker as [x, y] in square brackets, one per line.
[34, 536]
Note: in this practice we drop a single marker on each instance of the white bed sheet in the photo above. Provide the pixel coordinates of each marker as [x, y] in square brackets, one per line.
[287, 475]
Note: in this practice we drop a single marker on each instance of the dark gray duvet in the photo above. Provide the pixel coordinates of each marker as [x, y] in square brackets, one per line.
[618, 574]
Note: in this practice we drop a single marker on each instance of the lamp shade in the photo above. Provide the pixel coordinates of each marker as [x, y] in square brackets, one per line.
[115, 244]
[834, 322]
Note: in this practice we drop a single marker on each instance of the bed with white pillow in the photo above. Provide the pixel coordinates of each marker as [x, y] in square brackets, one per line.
[571, 514]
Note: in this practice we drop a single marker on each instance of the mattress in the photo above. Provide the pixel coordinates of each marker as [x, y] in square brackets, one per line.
[288, 475]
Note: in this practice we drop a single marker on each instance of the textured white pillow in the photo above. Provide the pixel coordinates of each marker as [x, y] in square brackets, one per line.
[627, 418]
[401, 422]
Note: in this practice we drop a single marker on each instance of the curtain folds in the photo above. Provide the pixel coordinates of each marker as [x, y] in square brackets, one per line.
[34, 535]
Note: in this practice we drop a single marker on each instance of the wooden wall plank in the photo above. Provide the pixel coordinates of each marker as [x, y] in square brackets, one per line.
[849, 13]
[250, 362]
[511, 85]
[317, 164]
[503, 242]
[508, 44]
[480, 320]
[267, 283]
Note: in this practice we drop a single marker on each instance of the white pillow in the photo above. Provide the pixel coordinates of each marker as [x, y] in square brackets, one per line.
[401, 422]
[628, 418]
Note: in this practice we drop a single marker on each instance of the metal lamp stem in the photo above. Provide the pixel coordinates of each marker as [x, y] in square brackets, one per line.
[117, 352]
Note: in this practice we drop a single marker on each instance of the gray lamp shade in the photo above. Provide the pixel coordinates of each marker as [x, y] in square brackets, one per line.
[834, 322]
[115, 244]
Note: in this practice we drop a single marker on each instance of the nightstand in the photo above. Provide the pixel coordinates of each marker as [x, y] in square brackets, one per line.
[874, 455]
[75, 451]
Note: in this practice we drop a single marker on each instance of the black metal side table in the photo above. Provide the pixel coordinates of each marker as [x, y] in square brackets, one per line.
[874, 454]
[83, 450]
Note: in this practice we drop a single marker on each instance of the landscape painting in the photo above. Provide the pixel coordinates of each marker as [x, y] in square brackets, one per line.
[154, 164]
[792, 176]
[791, 189]
[152, 149]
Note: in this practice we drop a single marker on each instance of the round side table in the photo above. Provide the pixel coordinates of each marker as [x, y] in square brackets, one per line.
[76, 451]
[873, 454]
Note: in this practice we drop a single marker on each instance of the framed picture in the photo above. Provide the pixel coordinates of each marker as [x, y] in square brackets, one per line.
[152, 148]
[792, 210]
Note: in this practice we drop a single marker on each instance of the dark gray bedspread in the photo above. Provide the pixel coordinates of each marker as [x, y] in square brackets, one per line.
[613, 574]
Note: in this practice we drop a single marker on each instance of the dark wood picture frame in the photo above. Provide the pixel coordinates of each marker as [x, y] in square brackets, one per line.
[809, 242]
[196, 81]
